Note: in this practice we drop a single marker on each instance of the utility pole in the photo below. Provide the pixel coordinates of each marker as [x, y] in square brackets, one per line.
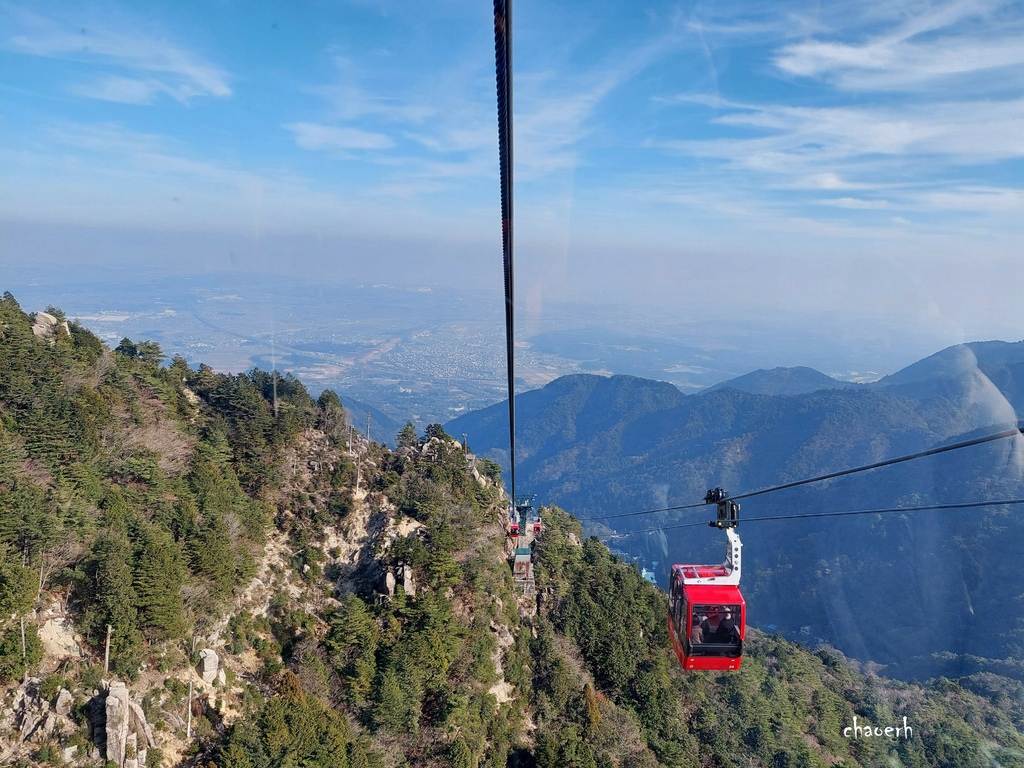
[188, 728]
[191, 677]
[24, 665]
[106, 654]
[23, 654]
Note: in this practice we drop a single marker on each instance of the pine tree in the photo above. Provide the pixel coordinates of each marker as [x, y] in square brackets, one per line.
[158, 577]
[27, 520]
[17, 584]
[407, 436]
[211, 553]
[352, 642]
[114, 600]
[333, 417]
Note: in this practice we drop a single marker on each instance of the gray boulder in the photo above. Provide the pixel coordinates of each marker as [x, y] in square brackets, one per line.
[208, 663]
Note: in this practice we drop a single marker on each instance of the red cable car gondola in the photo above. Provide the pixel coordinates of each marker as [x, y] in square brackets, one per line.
[707, 614]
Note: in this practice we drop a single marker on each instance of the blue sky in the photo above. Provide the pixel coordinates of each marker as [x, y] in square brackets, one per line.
[864, 159]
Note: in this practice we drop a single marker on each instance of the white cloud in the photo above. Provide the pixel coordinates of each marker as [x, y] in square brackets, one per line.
[152, 64]
[314, 136]
[902, 66]
[864, 147]
[855, 203]
[941, 44]
[978, 199]
[127, 90]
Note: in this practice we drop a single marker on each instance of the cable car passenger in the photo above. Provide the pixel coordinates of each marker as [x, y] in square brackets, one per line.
[713, 631]
[718, 627]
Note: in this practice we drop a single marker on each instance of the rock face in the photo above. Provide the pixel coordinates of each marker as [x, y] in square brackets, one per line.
[119, 727]
[32, 718]
[117, 712]
[63, 704]
[208, 663]
[59, 639]
[408, 583]
[45, 325]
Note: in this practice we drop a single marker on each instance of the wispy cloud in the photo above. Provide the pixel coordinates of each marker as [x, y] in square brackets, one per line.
[855, 203]
[930, 46]
[147, 65]
[328, 137]
[106, 174]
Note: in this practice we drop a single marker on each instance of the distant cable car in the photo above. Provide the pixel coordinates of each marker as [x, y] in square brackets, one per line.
[536, 527]
[707, 614]
[513, 530]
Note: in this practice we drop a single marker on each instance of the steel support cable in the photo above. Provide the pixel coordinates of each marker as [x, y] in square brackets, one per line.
[1002, 435]
[889, 510]
[503, 77]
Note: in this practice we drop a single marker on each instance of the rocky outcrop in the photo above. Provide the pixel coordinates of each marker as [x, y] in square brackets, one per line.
[59, 639]
[408, 582]
[119, 727]
[46, 326]
[208, 663]
[62, 706]
[116, 711]
[33, 719]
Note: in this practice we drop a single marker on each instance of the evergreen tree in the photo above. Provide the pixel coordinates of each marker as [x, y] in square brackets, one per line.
[407, 436]
[17, 584]
[27, 520]
[211, 553]
[127, 348]
[158, 578]
[391, 709]
[333, 417]
[13, 665]
[436, 430]
[114, 600]
[150, 352]
[352, 641]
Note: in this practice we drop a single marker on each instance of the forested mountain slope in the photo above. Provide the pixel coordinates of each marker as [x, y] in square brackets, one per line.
[277, 596]
[624, 445]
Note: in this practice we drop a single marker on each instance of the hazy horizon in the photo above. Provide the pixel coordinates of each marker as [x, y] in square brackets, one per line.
[840, 185]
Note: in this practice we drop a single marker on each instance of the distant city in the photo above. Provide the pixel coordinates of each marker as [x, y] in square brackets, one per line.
[429, 355]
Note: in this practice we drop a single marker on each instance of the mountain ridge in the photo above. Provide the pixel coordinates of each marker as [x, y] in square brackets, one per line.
[648, 458]
[282, 594]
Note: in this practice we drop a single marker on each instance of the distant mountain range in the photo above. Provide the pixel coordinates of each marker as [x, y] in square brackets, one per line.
[782, 381]
[895, 588]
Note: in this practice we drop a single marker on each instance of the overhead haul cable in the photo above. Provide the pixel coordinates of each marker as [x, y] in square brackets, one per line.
[503, 76]
[896, 460]
[889, 510]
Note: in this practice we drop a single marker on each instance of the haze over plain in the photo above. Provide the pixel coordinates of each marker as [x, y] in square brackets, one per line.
[845, 176]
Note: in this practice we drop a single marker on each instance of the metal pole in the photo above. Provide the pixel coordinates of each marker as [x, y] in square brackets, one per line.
[188, 728]
[106, 654]
[24, 666]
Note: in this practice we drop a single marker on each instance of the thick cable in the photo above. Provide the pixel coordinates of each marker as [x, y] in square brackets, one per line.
[899, 459]
[889, 510]
[503, 76]
[896, 460]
